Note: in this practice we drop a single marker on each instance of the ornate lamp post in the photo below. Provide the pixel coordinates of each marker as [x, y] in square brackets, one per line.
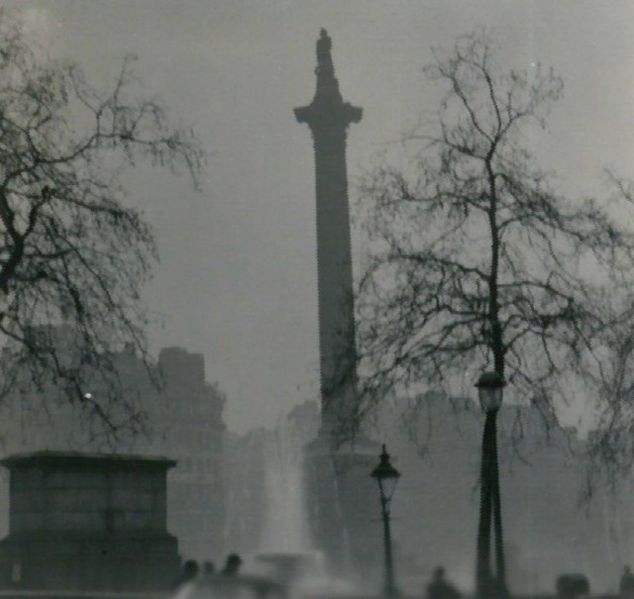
[490, 584]
[387, 477]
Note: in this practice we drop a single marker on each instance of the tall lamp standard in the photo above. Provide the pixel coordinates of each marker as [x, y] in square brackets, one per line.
[387, 477]
[490, 391]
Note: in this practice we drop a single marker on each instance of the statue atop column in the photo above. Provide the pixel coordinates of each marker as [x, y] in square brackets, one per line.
[337, 472]
[328, 117]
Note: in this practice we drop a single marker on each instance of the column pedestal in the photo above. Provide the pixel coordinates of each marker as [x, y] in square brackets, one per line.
[343, 505]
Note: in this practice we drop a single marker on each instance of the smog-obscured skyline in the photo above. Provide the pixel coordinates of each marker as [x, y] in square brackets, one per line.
[237, 278]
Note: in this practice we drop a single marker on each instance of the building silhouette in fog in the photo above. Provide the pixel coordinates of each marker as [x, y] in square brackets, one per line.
[183, 420]
[550, 528]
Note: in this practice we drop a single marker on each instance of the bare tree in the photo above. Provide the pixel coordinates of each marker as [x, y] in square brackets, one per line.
[478, 262]
[71, 252]
[611, 443]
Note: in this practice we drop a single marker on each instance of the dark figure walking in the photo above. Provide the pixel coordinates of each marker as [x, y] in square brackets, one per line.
[188, 574]
[232, 566]
[439, 588]
[626, 588]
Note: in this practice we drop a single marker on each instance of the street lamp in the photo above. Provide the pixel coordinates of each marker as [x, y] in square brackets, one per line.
[490, 391]
[387, 477]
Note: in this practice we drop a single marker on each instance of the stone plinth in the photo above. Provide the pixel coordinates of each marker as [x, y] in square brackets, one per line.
[89, 522]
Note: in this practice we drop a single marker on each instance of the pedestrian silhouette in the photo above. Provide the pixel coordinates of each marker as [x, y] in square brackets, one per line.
[626, 588]
[571, 586]
[439, 588]
[189, 572]
[184, 584]
[232, 566]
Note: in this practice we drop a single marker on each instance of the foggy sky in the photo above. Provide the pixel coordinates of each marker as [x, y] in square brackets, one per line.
[237, 278]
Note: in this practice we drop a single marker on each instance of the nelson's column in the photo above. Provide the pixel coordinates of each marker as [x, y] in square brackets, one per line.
[338, 462]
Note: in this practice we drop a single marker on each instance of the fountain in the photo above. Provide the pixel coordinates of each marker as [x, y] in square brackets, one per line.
[285, 519]
[286, 550]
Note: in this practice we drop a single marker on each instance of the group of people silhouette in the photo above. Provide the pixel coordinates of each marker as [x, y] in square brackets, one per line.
[193, 573]
[438, 588]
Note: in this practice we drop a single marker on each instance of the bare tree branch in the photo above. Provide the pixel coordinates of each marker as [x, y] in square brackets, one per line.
[480, 263]
[73, 256]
